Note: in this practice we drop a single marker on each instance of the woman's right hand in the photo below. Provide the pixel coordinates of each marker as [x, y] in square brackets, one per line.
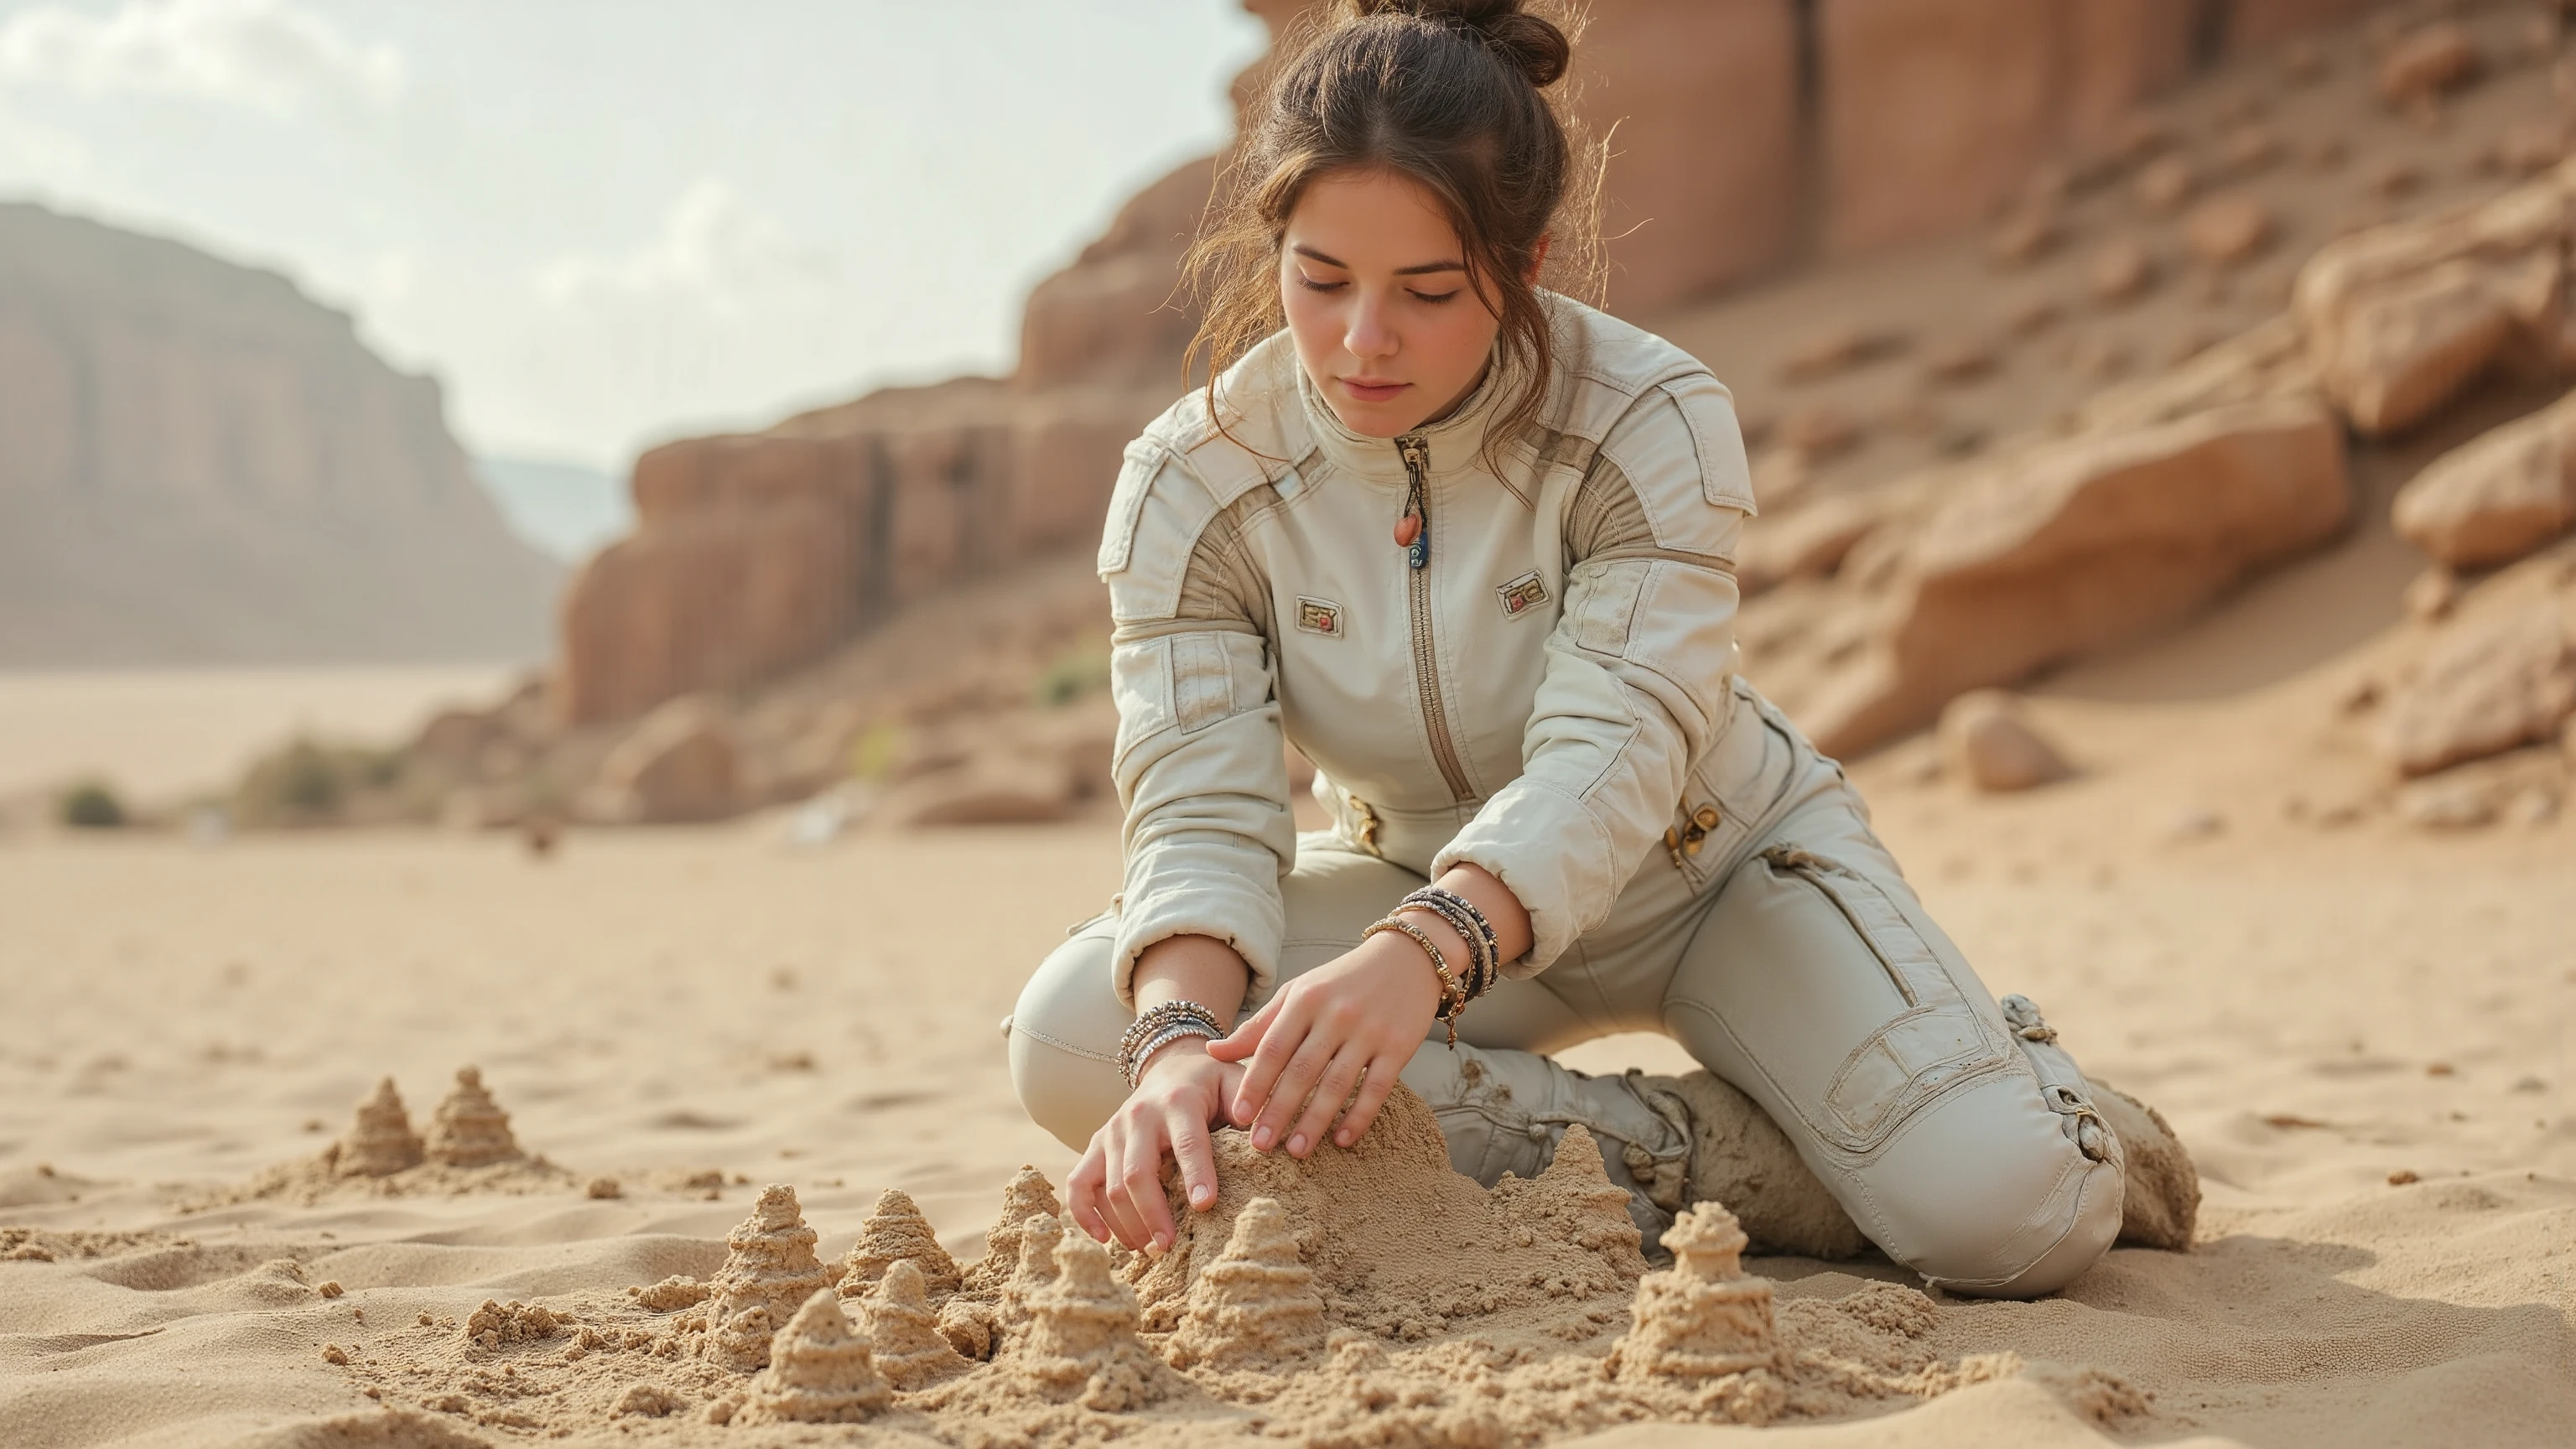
[1117, 1188]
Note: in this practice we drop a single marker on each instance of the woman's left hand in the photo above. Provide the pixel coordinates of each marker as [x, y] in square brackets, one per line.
[1354, 1021]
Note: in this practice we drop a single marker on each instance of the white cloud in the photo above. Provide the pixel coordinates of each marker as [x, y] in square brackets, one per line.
[270, 55]
[711, 247]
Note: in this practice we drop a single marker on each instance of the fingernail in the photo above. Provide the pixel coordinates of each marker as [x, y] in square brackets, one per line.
[1262, 1137]
[1201, 1195]
[1342, 1138]
[1297, 1145]
[1162, 1245]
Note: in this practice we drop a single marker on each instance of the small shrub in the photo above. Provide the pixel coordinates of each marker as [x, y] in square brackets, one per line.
[874, 753]
[309, 783]
[1081, 670]
[91, 805]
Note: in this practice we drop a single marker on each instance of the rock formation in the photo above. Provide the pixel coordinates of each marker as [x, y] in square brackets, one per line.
[816, 1371]
[470, 1129]
[2490, 682]
[382, 1143]
[679, 765]
[2498, 496]
[1703, 1317]
[910, 1349]
[1081, 1323]
[201, 464]
[1988, 742]
[769, 1271]
[896, 1232]
[2401, 319]
[1256, 1306]
[1028, 1197]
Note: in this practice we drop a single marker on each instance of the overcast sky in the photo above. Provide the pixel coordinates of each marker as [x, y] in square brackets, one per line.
[605, 222]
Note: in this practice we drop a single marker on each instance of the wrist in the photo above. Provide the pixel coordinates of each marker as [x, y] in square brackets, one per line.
[1185, 1054]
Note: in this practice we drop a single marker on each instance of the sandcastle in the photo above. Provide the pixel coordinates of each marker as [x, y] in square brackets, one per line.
[1037, 1264]
[382, 1142]
[1028, 1196]
[896, 1232]
[819, 1371]
[1256, 1305]
[1079, 1322]
[469, 1128]
[910, 1349]
[1704, 1316]
[769, 1271]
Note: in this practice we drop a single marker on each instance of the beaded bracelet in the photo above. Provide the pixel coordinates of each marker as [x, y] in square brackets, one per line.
[1151, 1022]
[1453, 997]
[1177, 1031]
[1471, 926]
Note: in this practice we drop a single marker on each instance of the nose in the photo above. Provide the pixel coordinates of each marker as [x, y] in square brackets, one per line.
[1368, 337]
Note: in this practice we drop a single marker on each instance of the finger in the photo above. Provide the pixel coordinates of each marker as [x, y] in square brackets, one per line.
[1247, 1033]
[1083, 1191]
[1279, 1045]
[1140, 1192]
[1374, 1087]
[1303, 1071]
[1113, 1197]
[1330, 1093]
[1197, 1157]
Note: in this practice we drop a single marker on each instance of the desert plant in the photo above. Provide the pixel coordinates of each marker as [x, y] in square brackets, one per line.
[91, 805]
[310, 783]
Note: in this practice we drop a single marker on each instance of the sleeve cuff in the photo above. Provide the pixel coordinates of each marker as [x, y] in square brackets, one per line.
[1248, 921]
[1552, 853]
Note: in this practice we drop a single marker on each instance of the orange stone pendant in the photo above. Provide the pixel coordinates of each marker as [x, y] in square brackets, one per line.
[1407, 528]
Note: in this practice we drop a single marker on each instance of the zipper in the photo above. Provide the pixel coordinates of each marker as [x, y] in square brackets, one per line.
[1415, 450]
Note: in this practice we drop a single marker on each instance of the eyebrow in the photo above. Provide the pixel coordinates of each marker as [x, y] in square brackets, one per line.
[1420, 269]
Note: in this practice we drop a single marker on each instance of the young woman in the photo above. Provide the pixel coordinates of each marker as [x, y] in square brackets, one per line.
[1469, 546]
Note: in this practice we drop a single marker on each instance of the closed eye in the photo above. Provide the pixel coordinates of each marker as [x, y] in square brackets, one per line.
[1436, 296]
[1311, 285]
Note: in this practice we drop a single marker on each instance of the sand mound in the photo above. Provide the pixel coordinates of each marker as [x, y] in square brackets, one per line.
[1028, 1197]
[896, 1232]
[819, 1371]
[770, 1271]
[382, 1143]
[911, 1351]
[1256, 1305]
[470, 1129]
[1702, 1318]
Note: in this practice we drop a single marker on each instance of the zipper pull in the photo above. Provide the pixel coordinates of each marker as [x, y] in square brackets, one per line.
[1413, 530]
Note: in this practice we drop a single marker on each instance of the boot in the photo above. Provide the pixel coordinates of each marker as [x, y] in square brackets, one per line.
[1741, 1158]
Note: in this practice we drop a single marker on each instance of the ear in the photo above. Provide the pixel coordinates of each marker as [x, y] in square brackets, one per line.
[1538, 257]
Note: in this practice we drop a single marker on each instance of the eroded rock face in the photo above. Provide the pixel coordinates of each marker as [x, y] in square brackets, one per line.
[2498, 496]
[2076, 545]
[2490, 683]
[2401, 319]
[679, 765]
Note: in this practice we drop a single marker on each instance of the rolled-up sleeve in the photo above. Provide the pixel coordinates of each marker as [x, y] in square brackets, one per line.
[1200, 768]
[1639, 673]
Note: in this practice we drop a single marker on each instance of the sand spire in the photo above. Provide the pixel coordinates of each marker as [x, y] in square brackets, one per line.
[910, 1349]
[769, 1270]
[469, 1128]
[1256, 1306]
[1080, 1322]
[896, 1232]
[382, 1143]
[1703, 1317]
[1039, 1238]
[1595, 1209]
[820, 1372]
[1028, 1196]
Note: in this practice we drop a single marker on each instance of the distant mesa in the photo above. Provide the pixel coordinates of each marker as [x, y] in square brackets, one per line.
[199, 464]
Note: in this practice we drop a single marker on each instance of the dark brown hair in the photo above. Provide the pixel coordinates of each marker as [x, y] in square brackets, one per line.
[1454, 95]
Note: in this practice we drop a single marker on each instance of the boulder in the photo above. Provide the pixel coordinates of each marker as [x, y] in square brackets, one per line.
[1987, 741]
[2401, 319]
[1807, 541]
[679, 765]
[2491, 682]
[2498, 496]
[1931, 112]
[2122, 271]
[2427, 62]
[2229, 230]
[2073, 545]
[990, 791]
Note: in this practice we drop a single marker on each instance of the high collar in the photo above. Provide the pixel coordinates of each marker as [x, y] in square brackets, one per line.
[1456, 443]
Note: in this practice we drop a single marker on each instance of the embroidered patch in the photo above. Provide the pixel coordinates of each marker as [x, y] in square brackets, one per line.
[1522, 595]
[1319, 616]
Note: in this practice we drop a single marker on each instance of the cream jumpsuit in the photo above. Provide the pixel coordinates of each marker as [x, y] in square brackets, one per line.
[1552, 698]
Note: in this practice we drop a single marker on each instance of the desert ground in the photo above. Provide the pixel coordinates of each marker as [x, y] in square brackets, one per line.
[2363, 1031]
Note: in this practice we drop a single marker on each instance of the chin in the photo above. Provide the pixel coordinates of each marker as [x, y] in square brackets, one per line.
[1372, 422]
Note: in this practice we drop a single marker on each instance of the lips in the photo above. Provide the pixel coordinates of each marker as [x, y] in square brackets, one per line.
[1372, 391]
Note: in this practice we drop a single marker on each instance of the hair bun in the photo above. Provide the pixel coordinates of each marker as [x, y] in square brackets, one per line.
[1532, 44]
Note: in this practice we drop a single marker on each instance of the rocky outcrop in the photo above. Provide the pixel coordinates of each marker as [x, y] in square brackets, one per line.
[200, 464]
[2497, 497]
[2402, 319]
[2255, 24]
[681, 764]
[2076, 544]
[2489, 683]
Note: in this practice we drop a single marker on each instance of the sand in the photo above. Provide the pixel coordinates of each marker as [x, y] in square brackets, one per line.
[2364, 1033]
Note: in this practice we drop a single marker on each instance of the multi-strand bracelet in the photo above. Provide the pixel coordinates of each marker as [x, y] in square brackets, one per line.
[1158, 1027]
[1483, 955]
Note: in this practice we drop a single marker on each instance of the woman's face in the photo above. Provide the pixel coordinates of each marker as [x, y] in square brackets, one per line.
[1374, 283]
